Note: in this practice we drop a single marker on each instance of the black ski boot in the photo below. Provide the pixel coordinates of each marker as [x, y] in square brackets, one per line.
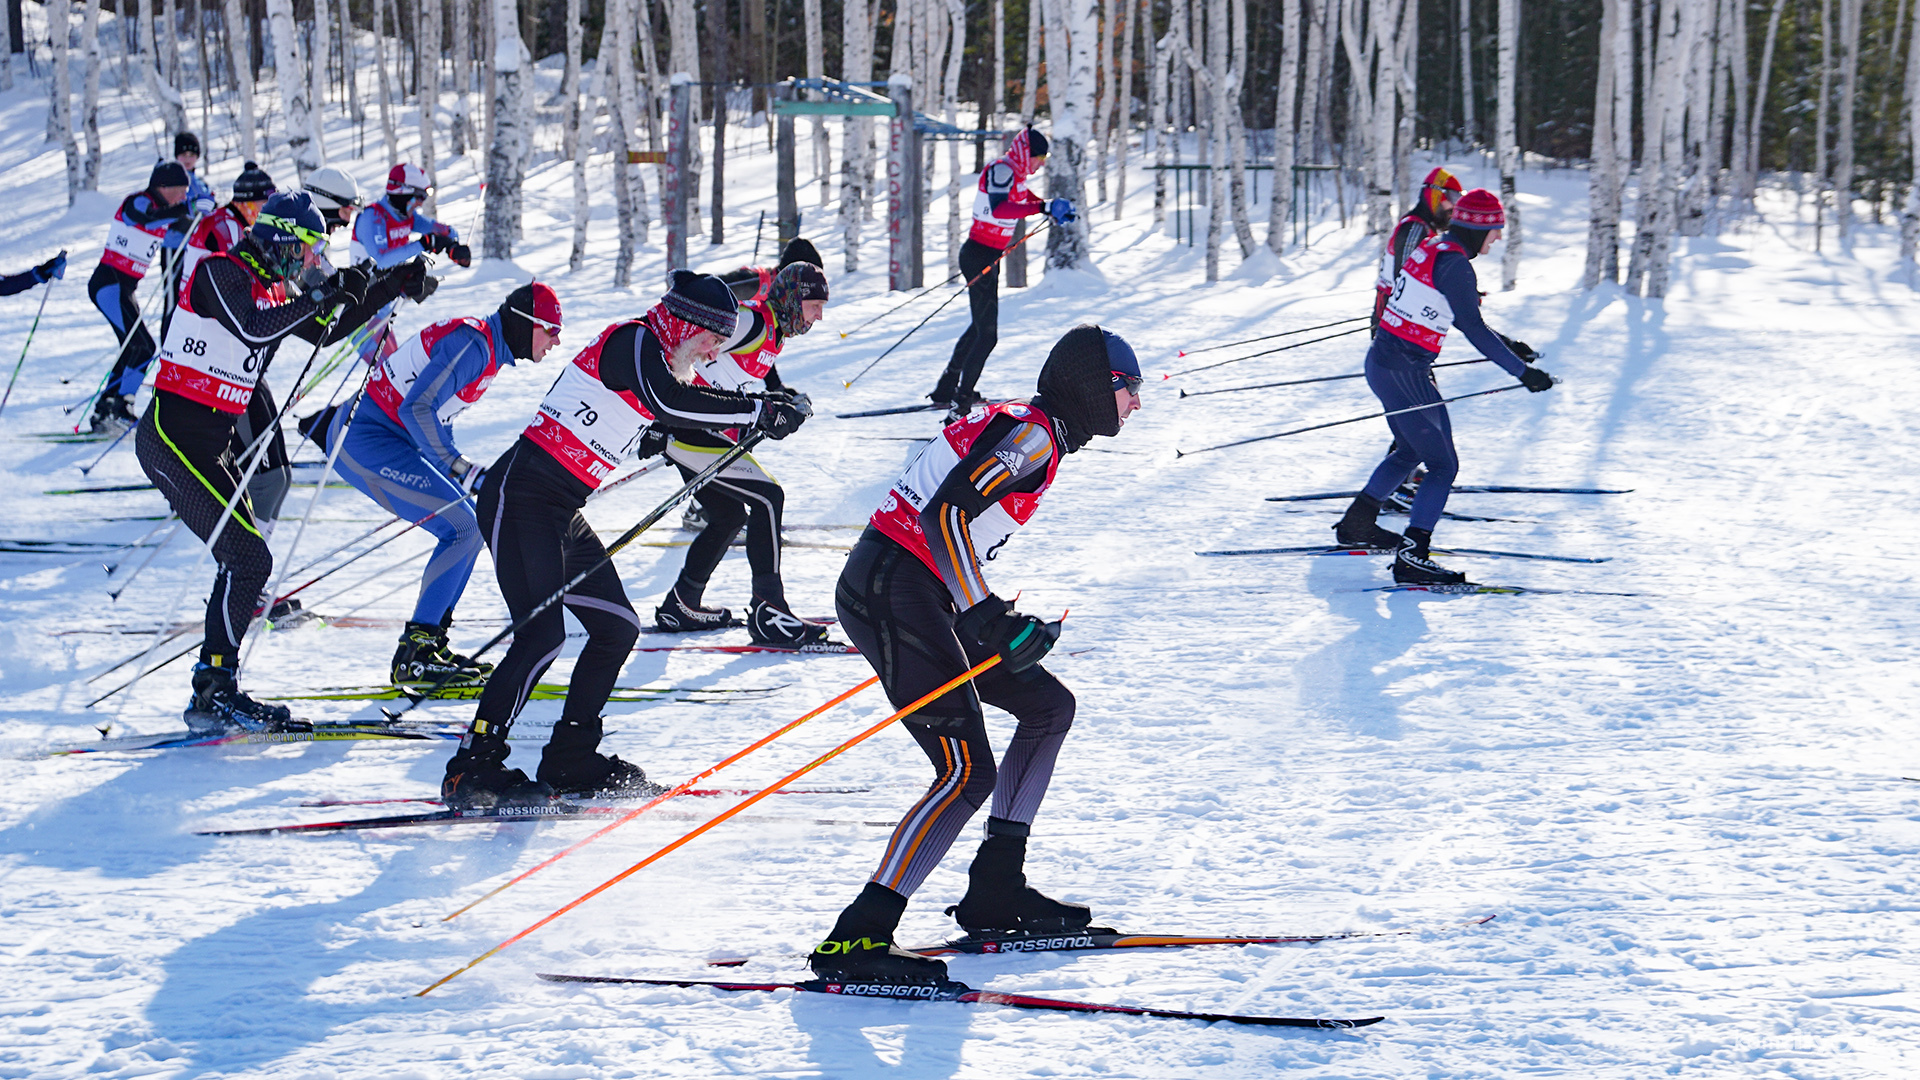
[1413, 564]
[945, 388]
[693, 518]
[999, 900]
[861, 946]
[478, 778]
[112, 414]
[422, 660]
[219, 706]
[572, 765]
[681, 612]
[962, 403]
[1359, 527]
[461, 660]
[771, 622]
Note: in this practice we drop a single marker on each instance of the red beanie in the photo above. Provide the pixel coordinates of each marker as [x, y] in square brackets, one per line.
[1479, 209]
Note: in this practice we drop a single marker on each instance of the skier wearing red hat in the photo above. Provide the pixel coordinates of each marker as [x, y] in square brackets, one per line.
[399, 452]
[383, 234]
[1431, 212]
[1434, 291]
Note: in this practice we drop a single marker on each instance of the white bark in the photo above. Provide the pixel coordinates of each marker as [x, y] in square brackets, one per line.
[290, 78]
[1030, 86]
[1280, 205]
[427, 45]
[1103, 101]
[511, 63]
[1910, 214]
[1844, 119]
[1470, 128]
[683, 55]
[1212, 73]
[570, 95]
[1662, 156]
[1699, 66]
[1134, 13]
[1237, 129]
[59, 27]
[242, 75]
[350, 67]
[996, 93]
[1760, 100]
[856, 65]
[816, 42]
[956, 46]
[322, 51]
[462, 75]
[616, 55]
[626, 88]
[90, 99]
[173, 107]
[1509, 140]
[1159, 89]
[1072, 102]
[1315, 12]
[1603, 178]
[382, 80]
[581, 109]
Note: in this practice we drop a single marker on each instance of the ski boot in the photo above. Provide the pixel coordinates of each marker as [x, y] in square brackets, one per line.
[694, 518]
[962, 403]
[572, 765]
[461, 660]
[999, 900]
[1413, 563]
[681, 612]
[861, 946]
[1359, 528]
[112, 414]
[422, 660]
[477, 776]
[218, 706]
[771, 622]
[945, 389]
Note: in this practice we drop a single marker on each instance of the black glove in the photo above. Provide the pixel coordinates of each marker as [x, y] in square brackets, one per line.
[1520, 348]
[347, 286]
[415, 282]
[653, 442]
[460, 253]
[783, 412]
[1536, 380]
[435, 243]
[1021, 640]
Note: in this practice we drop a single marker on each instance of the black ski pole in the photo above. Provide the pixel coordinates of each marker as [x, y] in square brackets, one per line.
[699, 480]
[1270, 337]
[1303, 382]
[1354, 420]
[958, 293]
[4, 398]
[921, 295]
[1267, 352]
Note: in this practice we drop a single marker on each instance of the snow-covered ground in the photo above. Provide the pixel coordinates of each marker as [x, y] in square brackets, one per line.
[1685, 806]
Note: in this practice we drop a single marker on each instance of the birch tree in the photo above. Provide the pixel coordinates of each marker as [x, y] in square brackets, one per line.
[1469, 129]
[1159, 94]
[856, 65]
[1845, 113]
[1134, 13]
[504, 156]
[383, 82]
[581, 111]
[817, 69]
[1603, 178]
[950, 92]
[1509, 140]
[173, 107]
[1030, 85]
[1752, 173]
[90, 98]
[1280, 204]
[462, 75]
[1236, 127]
[59, 27]
[291, 80]
[1910, 215]
[1072, 103]
[239, 63]
[427, 49]
[321, 51]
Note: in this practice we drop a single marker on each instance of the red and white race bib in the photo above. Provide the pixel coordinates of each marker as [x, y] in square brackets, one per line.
[587, 427]
[396, 373]
[899, 513]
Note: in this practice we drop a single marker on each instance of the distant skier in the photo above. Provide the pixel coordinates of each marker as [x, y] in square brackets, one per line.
[745, 494]
[751, 282]
[598, 411]
[400, 453]
[1002, 200]
[1431, 213]
[232, 317]
[335, 195]
[200, 203]
[384, 234]
[1436, 290]
[133, 242]
[55, 267]
[222, 229]
[913, 599]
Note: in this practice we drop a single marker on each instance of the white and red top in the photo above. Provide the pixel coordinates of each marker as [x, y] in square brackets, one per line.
[587, 426]
[1003, 198]
[741, 365]
[131, 244]
[217, 232]
[1417, 311]
[203, 361]
[396, 372]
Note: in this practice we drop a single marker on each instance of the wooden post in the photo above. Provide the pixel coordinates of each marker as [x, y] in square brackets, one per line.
[787, 225]
[673, 196]
[904, 266]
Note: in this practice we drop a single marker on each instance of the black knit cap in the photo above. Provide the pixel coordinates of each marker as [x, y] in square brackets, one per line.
[1076, 386]
[1036, 144]
[703, 300]
[168, 174]
[800, 249]
[186, 143]
[254, 185]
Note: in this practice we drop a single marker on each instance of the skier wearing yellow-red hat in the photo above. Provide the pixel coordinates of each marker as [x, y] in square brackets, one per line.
[1431, 213]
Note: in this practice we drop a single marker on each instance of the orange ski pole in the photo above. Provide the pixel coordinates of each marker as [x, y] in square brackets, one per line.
[679, 789]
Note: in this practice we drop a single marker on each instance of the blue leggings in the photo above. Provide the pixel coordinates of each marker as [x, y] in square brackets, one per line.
[1418, 437]
[393, 472]
[112, 293]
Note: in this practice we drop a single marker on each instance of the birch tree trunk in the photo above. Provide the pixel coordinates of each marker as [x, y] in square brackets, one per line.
[1211, 74]
[1699, 70]
[1760, 102]
[817, 69]
[1603, 178]
[510, 63]
[615, 56]
[322, 52]
[350, 69]
[1135, 12]
[1308, 139]
[997, 92]
[956, 47]
[683, 54]
[625, 92]
[1820, 125]
[173, 107]
[649, 78]
[1739, 186]
[427, 48]
[59, 28]
[1383, 20]
[580, 115]
[1159, 89]
[1237, 128]
[1910, 214]
[1844, 118]
[1509, 140]
[1103, 99]
[1280, 204]
[1469, 127]
[570, 95]
[1030, 86]
[290, 78]
[1360, 89]
[462, 75]
[242, 66]
[383, 81]
[1071, 103]
[90, 99]
[856, 65]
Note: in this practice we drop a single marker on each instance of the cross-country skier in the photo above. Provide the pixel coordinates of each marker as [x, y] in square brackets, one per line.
[752, 282]
[384, 233]
[400, 452]
[744, 493]
[232, 317]
[600, 409]
[133, 242]
[1001, 200]
[222, 229]
[335, 195]
[913, 599]
[200, 204]
[1431, 212]
[1435, 291]
[55, 267]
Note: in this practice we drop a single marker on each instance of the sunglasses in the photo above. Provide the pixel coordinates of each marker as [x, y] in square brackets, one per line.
[316, 240]
[1123, 381]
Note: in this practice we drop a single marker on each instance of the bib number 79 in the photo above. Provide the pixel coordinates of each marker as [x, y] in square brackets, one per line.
[586, 415]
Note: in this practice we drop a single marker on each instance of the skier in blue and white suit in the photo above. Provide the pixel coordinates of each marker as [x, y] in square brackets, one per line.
[399, 450]
[383, 234]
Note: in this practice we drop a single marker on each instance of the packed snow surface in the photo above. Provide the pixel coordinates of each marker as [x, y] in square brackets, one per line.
[1685, 806]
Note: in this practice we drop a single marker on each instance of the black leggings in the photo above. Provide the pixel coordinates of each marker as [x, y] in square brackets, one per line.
[900, 616]
[983, 296]
[184, 448]
[539, 542]
[743, 494]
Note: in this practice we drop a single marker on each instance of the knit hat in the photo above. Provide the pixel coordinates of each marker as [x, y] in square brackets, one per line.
[1076, 382]
[795, 284]
[1036, 144]
[703, 300]
[530, 305]
[168, 174]
[800, 249]
[186, 143]
[1435, 187]
[1479, 209]
[254, 184]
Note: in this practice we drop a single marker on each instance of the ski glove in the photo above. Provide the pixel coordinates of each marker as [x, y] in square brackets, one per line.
[1520, 348]
[202, 206]
[1021, 640]
[653, 442]
[347, 286]
[1061, 210]
[435, 243]
[783, 413]
[55, 267]
[414, 281]
[461, 254]
[1536, 380]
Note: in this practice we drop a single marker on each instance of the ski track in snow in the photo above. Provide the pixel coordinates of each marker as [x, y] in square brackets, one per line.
[1685, 806]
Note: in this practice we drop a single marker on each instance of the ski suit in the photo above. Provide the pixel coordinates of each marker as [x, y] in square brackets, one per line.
[399, 447]
[134, 237]
[1436, 290]
[384, 236]
[1412, 230]
[915, 569]
[1001, 200]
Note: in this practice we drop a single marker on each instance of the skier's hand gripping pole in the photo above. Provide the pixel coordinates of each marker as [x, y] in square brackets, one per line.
[4, 398]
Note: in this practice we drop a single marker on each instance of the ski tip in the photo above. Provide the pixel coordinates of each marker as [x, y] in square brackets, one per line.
[727, 961]
[1183, 393]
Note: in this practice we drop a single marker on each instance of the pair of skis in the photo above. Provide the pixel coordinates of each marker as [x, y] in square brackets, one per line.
[546, 691]
[1355, 549]
[492, 815]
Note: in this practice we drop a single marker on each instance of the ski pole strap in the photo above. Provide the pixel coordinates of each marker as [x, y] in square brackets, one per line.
[1353, 420]
[803, 770]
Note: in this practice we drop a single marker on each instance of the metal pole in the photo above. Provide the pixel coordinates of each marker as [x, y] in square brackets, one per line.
[903, 234]
[673, 199]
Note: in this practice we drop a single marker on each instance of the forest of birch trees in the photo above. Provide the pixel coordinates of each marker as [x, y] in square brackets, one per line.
[1683, 111]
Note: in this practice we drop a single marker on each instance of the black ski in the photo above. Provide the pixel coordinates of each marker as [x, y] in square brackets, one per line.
[928, 407]
[1474, 588]
[176, 740]
[1348, 549]
[963, 994]
[1477, 489]
[817, 648]
[478, 816]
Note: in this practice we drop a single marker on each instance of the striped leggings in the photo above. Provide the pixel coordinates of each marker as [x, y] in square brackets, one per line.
[901, 616]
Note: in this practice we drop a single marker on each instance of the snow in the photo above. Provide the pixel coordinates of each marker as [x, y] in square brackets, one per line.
[1685, 806]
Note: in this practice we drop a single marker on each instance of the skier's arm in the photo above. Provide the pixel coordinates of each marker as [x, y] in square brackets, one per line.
[982, 478]
[1453, 275]
[632, 361]
[424, 224]
[143, 210]
[18, 283]
[223, 290]
[368, 230]
[1001, 201]
[456, 360]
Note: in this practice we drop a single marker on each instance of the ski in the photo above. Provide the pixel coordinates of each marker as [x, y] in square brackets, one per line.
[545, 691]
[98, 489]
[492, 815]
[817, 648]
[961, 993]
[1474, 588]
[1472, 489]
[896, 411]
[72, 436]
[697, 792]
[1348, 549]
[176, 740]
